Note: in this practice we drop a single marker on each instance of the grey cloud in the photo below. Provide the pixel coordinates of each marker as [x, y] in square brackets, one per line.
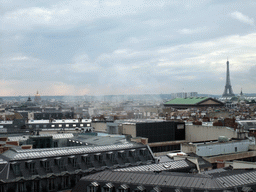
[126, 47]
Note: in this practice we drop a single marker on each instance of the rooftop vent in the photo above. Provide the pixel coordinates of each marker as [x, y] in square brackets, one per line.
[223, 139]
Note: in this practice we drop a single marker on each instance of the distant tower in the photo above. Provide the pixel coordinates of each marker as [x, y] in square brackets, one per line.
[242, 97]
[228, 92]
[37, 97]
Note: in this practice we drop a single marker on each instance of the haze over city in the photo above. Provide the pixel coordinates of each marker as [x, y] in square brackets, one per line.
[126, 47]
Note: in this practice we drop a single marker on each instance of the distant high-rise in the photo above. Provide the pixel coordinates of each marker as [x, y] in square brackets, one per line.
[228, 92]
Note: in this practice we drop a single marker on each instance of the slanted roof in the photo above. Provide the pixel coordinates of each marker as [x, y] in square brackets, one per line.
[228, 179]
[166, 166]
[193, 102]
[186, 101]
[16, 154]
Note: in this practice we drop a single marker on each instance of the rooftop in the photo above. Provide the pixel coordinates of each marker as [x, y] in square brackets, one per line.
[21, 154]
[187, 101]
[217, 180]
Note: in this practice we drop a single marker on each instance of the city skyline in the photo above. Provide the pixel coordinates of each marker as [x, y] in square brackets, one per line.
[109, 47]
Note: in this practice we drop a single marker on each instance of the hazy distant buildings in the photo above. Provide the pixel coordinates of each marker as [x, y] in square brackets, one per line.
[184, 94]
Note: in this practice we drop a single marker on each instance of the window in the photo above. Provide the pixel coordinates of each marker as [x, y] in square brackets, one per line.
[235, 149]
[37, 126]
[67, 125]
[55, 144]
[123, 188]
[44, 126]
[144, 152]
[51, 184]
[60, 125]
[73, 161]
[121, 154]
[52, 125]
[21, 187]
[110, 156]
[45, 164]
[93, 187]
[66, 182]
[81, 125]
[74, 125]
[86, 159]
[132, 153]
[108, 187]
[98, 157]
[60, 162]
[31, 166]
[140, 189]
[88, 124]
[16, 168]
[156, 189]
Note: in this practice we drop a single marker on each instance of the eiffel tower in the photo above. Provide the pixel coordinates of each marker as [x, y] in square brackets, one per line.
[228, 92]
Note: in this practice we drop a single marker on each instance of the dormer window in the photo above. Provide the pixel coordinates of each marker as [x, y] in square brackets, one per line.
[59, 162]
[144, 152]
[121, 154]
[140, 188]
[110, 156]
[157, 189]
[31, 166]
[45, 164]
[16, 168]
[73, 161]
[123, 188]
[132, 152]
[98, 157]
[108, 187]
[86, 159]
[93, 187]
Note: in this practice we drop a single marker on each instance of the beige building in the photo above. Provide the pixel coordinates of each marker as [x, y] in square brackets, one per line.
[195, 133]
[99, 126]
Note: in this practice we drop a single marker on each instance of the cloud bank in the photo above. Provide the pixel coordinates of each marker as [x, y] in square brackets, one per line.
[126, 47]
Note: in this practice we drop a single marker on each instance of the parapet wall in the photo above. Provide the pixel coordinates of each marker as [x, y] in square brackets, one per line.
[195, 133]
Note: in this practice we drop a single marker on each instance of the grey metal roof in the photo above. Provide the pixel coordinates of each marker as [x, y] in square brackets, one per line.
[171, 165]
[17, 154]
[99, 140]
[177, 180]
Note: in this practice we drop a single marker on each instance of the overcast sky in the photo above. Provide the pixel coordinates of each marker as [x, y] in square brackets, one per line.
[106, 47]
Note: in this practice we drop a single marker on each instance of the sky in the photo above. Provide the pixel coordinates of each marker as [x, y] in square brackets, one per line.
[116, 47]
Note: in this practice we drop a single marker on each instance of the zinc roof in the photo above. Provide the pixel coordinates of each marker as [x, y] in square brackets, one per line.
[178, 180]
[186, 101]
[20, 154]
[171, 165]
